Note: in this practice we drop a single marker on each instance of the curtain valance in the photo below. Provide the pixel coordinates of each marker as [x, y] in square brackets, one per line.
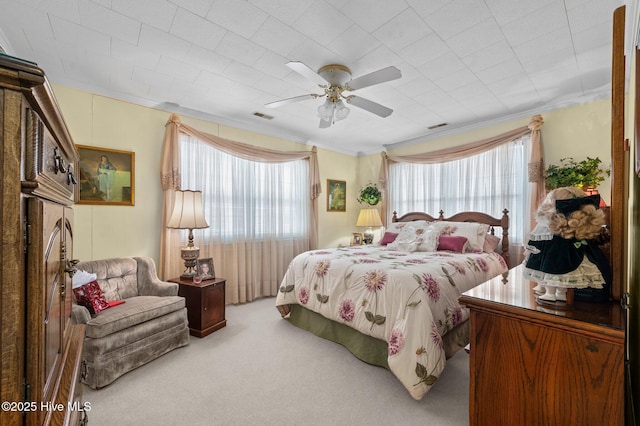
[171, 154]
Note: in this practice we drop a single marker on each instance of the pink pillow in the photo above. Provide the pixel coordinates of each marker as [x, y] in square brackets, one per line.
[453, 243]
[387, 238]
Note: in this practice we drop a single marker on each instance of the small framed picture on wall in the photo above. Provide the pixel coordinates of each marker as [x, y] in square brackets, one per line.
[336, 195]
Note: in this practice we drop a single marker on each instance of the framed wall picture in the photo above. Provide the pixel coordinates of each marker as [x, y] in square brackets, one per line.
[356, 239]
[205, 269]
[106, 176]
[336, 195]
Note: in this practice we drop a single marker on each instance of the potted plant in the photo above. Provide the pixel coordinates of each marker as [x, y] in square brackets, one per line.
[370, 194]
[586, 174]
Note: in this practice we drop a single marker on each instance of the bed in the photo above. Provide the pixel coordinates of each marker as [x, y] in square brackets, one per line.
[395, 304]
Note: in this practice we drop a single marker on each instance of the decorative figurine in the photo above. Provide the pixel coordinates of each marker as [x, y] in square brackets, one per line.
[563, 252]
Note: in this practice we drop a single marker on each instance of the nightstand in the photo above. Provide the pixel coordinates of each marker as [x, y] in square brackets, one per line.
[205, 304]
[532, 365]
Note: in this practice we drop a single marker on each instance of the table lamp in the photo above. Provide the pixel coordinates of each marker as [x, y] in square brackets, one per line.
[368, 218]
[188, 214]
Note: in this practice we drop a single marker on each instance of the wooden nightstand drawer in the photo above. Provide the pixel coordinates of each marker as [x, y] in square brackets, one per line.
[205, 303]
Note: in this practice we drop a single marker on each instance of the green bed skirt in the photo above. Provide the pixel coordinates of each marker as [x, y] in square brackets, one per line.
[366, 348]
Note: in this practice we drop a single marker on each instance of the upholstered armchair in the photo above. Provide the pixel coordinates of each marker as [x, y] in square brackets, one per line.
[150, 320]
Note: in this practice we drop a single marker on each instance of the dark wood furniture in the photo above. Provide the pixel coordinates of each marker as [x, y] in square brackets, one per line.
[205, 304]
[41, 349]
[531, 365]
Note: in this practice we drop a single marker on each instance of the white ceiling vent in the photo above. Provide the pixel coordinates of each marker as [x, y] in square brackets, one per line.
[261, 115]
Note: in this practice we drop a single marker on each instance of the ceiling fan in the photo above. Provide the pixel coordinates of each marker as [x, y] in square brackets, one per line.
[335, 79]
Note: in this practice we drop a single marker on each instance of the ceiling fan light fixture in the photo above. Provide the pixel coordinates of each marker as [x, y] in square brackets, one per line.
[325, 111]
[342, 111]
[335, 79]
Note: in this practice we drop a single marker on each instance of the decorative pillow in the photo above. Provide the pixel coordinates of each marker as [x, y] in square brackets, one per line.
[474, 232]
[408, 246]
[413, 233]
[409, 238]
[397, 227]
[90, 296]
[454, 243]
[387, 238]
[490, 243]
[430, 240]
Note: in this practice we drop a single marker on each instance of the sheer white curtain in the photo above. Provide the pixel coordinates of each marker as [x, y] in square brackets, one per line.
[488, 182]
[258, 215]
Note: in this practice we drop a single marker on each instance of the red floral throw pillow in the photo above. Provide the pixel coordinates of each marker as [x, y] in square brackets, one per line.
[90, 296]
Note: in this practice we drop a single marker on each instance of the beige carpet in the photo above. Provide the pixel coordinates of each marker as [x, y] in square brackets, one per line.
[261, 370]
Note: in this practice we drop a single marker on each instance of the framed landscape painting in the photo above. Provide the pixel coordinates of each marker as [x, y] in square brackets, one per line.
[106, 176]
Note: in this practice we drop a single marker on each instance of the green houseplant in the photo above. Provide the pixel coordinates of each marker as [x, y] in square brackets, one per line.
[586, 174]
[370, 194]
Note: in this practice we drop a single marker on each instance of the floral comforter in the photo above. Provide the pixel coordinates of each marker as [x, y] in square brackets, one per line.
[409, 300]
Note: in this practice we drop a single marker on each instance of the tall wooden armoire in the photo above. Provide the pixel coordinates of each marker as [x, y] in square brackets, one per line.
[41, 349]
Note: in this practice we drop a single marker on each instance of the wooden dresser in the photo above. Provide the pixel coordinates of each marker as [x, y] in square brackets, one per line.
[534, 365]
[41, 348]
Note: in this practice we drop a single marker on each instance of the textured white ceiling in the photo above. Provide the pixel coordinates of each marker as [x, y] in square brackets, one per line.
[463, 62]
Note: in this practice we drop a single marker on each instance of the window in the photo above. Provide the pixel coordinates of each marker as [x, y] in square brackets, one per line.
[247, 200]
[488, 182]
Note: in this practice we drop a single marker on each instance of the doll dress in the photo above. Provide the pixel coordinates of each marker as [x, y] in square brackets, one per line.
[562, 262]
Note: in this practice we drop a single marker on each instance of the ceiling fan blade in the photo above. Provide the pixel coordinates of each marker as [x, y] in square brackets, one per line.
[307, 72]
[370, 106]
[281, 102]
[376, 77]
[324, 124]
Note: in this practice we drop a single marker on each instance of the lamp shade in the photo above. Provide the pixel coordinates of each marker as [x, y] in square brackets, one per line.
[187, 211]
[369, 217]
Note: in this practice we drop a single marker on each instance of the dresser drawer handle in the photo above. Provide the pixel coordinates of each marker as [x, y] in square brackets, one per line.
[71, 179]
[58, 162]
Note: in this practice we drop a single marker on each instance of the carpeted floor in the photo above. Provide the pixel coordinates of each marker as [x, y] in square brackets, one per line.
[261, 370]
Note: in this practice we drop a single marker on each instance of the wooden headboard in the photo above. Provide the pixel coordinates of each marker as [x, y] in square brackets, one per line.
[479, 217]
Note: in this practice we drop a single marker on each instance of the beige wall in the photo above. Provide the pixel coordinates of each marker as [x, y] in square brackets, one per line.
[108, 231]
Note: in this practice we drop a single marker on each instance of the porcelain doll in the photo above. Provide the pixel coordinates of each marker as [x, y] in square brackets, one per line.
[562, 249]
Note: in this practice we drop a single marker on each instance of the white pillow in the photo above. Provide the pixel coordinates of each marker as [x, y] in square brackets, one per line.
[474, 232]
[430, 240]
[408, 246]
[410, 237]
[396, 227]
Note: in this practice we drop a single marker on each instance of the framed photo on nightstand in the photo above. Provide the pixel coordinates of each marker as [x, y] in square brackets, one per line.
[206, 270]
[356, 239]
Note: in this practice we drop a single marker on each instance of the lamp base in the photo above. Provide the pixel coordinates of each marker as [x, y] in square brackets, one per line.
[190, 256]
[367, 236]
